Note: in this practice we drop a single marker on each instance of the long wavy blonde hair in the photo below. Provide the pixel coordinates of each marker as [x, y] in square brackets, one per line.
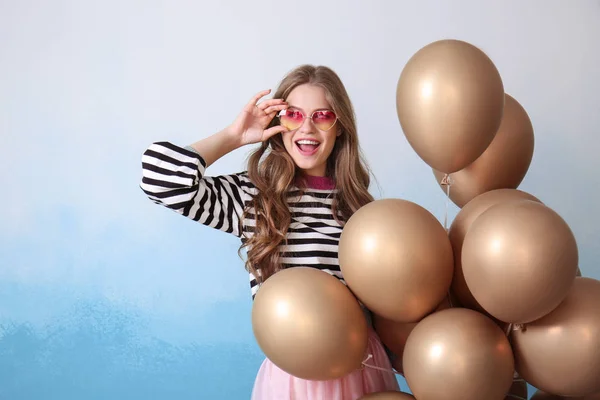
[273, 172]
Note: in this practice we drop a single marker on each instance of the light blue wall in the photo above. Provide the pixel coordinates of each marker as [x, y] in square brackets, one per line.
[104, 295]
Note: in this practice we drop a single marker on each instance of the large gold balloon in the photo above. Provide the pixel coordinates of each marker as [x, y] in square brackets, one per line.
[394, 334]
[397, 259]
[519, 260]
[309, 324]
[450, 101]
[560, 353]
[505, 162]
[388, 395]
[459, 228]
[458, 354]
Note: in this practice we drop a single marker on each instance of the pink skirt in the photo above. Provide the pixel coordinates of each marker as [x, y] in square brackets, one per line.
[274, 384]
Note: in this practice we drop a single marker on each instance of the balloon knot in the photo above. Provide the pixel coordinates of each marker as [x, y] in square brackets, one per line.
[364, 364]
[519, 327]
[446, 181]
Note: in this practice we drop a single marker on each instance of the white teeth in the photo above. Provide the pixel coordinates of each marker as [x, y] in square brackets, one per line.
[315, 143]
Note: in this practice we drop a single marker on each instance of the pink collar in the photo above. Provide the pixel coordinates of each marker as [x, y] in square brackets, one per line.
[318, 182]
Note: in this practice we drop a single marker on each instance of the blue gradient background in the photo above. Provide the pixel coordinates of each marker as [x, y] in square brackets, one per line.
[104, 295]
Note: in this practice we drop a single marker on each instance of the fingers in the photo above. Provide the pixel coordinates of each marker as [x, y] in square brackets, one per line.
[271, 111]
[274, 131]
[257, 97]
[270, 103]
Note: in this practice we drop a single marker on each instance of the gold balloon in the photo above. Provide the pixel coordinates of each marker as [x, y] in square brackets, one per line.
[503, 164]
[560, 353]
[458, 354]
[450, 101]
[397, 259]
[394, 334]
[388, 395]
[519, 260]
[459, 228]
[309, 324]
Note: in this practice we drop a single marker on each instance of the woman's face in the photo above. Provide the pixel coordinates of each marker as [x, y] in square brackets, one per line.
[310, 144]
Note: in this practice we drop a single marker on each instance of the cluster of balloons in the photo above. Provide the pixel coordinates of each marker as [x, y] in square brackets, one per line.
[464, 310]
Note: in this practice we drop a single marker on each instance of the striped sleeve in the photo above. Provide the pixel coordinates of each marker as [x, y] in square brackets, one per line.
[173, 176]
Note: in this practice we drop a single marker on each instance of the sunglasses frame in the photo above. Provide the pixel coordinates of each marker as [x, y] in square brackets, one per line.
[280, 113]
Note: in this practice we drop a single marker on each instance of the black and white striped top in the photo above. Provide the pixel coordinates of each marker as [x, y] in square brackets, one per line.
[173, 176]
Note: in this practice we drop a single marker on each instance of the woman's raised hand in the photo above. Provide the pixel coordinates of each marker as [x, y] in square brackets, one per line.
[250, 126]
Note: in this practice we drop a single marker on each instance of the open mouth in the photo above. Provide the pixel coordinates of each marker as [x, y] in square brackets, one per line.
[307, 147]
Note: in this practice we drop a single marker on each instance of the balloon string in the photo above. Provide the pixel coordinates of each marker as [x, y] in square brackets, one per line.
[514, 396]
[378, 368]
[446, 182]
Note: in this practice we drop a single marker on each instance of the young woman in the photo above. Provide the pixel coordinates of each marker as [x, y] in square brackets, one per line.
[304, 181]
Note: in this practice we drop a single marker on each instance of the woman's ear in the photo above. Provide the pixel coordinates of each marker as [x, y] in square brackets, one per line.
[339, 131]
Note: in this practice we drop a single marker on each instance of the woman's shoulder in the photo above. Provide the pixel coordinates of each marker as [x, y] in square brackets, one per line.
[244, 181]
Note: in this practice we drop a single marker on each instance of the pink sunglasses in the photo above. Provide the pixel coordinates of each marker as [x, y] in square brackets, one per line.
[293, 119]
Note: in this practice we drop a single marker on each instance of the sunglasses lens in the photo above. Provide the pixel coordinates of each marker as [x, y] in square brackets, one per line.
[291, 119]
[324, 120]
